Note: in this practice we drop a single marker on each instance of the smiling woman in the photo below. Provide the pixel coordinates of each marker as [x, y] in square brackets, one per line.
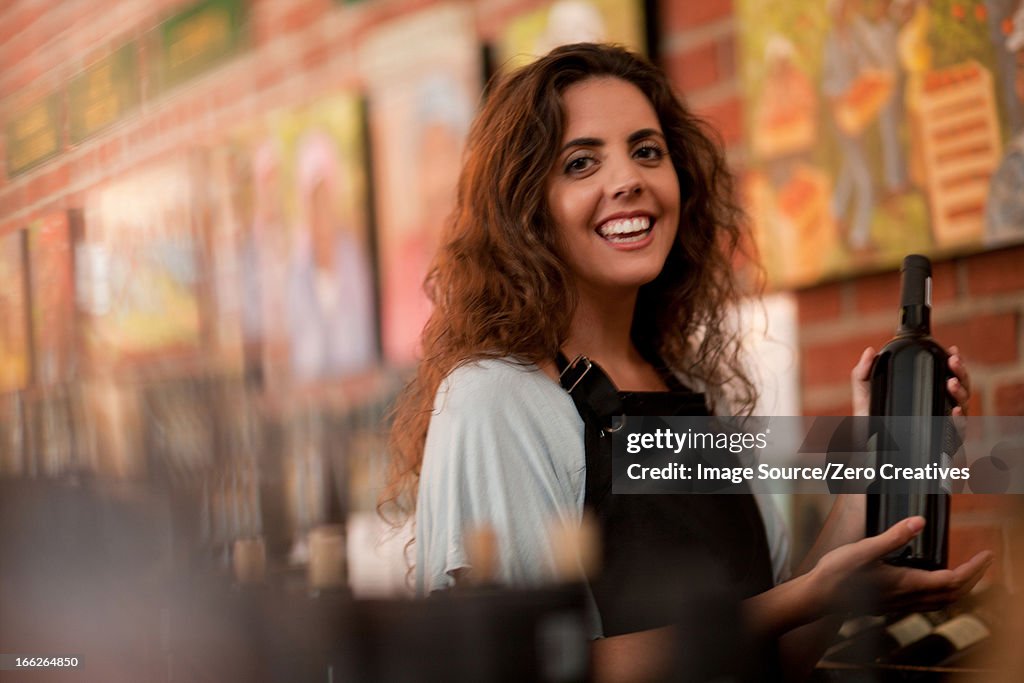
[595, 220]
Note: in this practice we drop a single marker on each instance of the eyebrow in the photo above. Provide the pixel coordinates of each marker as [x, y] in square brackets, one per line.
[598, 142]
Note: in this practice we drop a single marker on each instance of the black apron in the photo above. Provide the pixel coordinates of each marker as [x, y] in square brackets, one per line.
[653, 543]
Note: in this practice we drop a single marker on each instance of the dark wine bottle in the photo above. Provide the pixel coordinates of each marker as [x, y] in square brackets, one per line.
[908, 392]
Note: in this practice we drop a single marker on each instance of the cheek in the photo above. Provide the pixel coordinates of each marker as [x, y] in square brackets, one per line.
[572, 207]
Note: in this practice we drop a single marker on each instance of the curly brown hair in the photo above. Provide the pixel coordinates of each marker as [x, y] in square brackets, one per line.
[500, 288]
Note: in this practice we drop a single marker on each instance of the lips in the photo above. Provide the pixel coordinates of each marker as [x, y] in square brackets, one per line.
[626, 229]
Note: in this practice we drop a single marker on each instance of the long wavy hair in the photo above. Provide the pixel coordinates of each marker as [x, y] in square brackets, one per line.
[499, 286]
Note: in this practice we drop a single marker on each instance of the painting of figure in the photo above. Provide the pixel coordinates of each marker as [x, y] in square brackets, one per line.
[888, 141]
[329, 308]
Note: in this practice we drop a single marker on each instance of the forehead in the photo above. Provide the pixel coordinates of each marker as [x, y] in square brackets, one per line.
[603, 107]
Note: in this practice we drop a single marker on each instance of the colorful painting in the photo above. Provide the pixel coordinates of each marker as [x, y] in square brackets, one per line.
[425, 74]
[328, 303]
[14, 348]
[876, 128]
[51, 277]
[138, 266]
[538, 31]
[256, 207]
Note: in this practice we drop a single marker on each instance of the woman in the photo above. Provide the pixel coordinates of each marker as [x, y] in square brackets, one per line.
[595, 218]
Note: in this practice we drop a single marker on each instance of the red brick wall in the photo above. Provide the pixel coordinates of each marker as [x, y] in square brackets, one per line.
[978, 305]
[297, 50]
[698, 50]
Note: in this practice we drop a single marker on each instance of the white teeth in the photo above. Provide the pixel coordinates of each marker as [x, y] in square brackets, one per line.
[626, 226]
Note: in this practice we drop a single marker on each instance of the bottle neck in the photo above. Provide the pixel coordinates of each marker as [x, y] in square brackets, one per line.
[915, 319]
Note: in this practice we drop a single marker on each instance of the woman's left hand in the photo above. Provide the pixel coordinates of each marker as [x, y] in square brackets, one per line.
[958, 386]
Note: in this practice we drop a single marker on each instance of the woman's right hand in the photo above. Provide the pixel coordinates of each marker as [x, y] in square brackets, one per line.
[853, 577]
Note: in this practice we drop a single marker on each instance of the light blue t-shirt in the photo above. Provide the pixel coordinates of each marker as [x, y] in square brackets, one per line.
[505, 449]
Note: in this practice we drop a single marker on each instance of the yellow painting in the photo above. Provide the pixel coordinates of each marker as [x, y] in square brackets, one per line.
[538, 31]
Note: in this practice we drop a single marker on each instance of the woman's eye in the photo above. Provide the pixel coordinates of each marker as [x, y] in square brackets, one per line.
[649, 151]
[579, 164]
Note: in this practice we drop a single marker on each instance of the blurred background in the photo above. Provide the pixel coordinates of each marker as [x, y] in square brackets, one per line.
[216, 218]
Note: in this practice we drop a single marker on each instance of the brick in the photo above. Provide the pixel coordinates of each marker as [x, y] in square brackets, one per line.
[975, 405]
[873, 293]
[727, 52]
[110, 152]
[34, 189]
[944, 286]
[677, 15]
[993, 507]
[966, 541]
[694, 69]
[20, 78]
[996, 272]
[881, 292]
[983, 339]
[299, 15]
[727, 118]
[830, 363]
[20, 18]
[818, 304]
[316, 56]
[20, 197]
[57, 180]
[268, 76]
[1009, 399]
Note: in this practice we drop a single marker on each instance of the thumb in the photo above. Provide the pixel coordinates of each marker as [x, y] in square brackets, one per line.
[862, 369]
[875, 547]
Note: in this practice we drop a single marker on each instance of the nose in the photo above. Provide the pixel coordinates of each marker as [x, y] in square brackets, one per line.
[629, 187]
[625, 181]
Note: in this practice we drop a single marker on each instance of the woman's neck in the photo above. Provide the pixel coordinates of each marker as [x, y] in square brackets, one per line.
[601, 326]
[600, 330]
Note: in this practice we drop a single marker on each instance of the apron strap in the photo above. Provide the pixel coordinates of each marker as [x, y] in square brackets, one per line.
[589, 385]
[597, 401]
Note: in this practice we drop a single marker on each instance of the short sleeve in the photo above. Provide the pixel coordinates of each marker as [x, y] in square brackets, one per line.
[504, 449]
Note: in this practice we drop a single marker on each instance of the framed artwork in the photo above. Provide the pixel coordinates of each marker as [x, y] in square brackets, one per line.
[14, 340]
[51, 282]
[262, 231]
[138, 264]
[878, 128]
[424, 75]
[536, 32]
[327, 297]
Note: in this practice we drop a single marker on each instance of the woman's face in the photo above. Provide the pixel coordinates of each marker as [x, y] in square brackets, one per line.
[613, 192]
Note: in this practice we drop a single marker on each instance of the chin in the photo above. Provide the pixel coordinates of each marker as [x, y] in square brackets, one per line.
[633, 280]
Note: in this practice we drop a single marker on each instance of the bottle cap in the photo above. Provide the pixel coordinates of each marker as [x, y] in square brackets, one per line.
[917, 261]
[915, 288]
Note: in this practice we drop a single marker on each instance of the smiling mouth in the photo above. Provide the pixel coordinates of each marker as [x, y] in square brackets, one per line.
[626, 230]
